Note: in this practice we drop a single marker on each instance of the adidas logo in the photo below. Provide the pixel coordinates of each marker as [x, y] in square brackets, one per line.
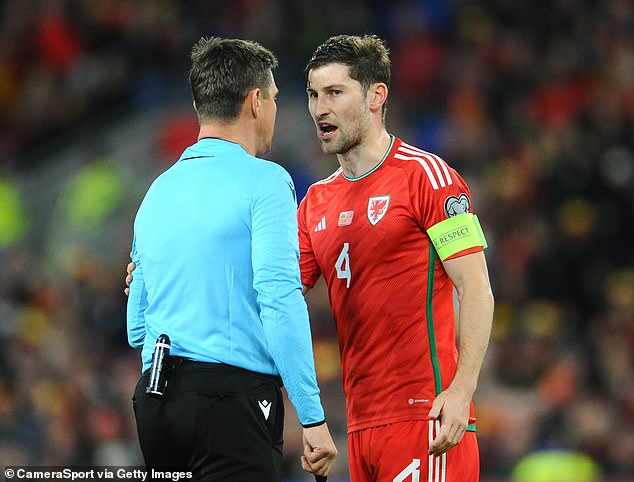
[265, 406]
[322, 225]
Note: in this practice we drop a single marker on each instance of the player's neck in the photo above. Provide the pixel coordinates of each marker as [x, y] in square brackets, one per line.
[366, 156]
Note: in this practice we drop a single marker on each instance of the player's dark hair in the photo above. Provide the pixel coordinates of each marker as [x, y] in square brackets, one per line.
[367, 57]
[224, 71]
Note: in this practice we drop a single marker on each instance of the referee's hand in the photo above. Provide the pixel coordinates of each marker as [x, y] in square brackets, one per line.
[319, 450]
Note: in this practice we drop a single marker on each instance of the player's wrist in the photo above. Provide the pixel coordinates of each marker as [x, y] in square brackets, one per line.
[464, 387]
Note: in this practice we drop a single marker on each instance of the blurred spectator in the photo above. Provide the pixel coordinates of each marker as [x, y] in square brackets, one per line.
[12, 218]
[556, 466]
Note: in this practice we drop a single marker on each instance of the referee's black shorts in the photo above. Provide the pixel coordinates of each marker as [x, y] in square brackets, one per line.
[220, 422]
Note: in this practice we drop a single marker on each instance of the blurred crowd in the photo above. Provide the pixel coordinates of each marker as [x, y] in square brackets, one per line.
[532, 101]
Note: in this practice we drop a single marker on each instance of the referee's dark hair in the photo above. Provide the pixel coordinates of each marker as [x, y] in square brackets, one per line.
[224, 71]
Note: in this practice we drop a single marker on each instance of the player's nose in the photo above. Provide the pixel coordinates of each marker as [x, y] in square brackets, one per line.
[321, 108]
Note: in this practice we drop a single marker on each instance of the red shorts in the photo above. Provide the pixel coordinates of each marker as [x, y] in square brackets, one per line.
[398, 453]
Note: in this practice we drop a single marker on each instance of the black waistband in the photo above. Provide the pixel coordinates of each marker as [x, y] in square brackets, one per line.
[184, 365]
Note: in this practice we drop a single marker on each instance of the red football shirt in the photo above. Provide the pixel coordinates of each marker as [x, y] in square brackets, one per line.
[391, 298]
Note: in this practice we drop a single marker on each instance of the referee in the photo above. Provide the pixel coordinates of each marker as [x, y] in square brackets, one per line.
[216, 254]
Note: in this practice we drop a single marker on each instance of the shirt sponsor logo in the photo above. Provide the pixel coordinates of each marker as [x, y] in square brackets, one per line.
[345, 218]
[457, 205]
[321, 225]
[377, 207]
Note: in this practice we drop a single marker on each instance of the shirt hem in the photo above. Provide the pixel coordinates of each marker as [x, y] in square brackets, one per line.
[357, 427]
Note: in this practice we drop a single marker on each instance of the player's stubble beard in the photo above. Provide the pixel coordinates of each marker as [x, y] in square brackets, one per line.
[351, 133]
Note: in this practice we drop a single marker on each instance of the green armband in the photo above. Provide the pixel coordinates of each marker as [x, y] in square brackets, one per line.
[456, 234]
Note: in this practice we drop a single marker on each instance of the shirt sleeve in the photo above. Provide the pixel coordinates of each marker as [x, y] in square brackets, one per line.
[308, 266]
[276, 279]
[439, 194]
[137, 303]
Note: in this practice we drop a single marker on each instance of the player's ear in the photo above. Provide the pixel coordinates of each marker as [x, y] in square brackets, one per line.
[378, 96]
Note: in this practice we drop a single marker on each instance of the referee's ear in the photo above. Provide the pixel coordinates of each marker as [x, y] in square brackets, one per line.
[253, 98]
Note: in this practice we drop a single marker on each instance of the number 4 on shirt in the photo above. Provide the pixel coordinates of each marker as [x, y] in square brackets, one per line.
[343, 265]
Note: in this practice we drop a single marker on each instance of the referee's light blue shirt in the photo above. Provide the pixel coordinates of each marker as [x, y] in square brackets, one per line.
[216, 250]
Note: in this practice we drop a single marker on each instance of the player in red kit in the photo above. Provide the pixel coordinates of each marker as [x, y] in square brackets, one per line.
[392, 232]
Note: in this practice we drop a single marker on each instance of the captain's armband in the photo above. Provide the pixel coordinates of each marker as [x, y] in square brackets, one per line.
[456, 234]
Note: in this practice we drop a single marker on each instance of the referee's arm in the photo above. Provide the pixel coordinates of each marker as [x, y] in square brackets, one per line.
[137, 304]
[284, 314]
[283, 311]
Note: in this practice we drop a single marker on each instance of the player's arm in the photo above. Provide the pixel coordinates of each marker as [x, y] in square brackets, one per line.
[470, 276]
[137, 304]
[308, 266]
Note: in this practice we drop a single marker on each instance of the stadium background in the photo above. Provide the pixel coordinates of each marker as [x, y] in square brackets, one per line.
[533, 102]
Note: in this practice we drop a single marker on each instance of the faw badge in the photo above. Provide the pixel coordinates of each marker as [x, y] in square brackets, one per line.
[377, 207]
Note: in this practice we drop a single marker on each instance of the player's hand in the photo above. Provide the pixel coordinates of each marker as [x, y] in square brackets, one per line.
[128, 278]
[452, 407]
[319, 450]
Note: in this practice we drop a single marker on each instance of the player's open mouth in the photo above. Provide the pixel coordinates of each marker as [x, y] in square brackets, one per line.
[326, 130]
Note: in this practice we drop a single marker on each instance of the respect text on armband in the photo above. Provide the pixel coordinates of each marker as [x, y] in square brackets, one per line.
[450, 236]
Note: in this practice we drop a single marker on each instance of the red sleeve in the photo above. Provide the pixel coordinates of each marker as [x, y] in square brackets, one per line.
[440, 193]
[308, 266]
